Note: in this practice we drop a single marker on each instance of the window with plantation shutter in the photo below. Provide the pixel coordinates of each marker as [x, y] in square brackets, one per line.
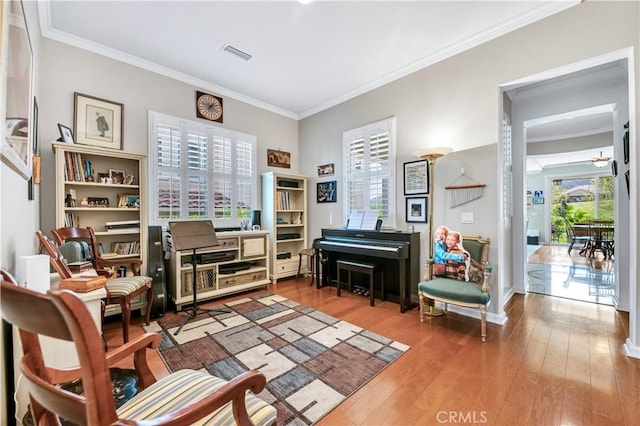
[369, 158]
[200, 172]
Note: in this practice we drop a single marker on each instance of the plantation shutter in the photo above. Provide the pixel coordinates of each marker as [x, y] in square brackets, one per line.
[369, 169]
[199, 171]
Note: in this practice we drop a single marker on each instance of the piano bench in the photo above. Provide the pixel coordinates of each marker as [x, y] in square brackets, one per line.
[364, 268]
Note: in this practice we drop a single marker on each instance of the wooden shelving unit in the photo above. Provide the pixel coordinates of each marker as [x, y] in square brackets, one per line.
[74, 177]
[284, 215]
[247, 267]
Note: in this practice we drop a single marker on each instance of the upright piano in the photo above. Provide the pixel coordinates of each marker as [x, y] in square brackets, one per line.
[398, 252]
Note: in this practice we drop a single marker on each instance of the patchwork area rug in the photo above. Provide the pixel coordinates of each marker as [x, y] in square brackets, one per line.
[312, 361]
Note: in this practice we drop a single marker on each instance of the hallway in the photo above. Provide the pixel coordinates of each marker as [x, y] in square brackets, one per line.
[552, 271]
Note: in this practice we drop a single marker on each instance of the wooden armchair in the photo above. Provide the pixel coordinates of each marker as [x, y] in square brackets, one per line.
[471, 294]
[120, 291]
[182, 398]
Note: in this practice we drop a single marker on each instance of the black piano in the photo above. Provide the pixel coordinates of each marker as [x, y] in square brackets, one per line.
[399, 252]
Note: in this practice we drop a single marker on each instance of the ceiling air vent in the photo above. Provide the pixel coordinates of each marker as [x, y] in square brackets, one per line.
[237, 52]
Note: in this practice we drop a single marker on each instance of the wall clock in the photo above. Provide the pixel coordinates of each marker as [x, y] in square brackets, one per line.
[208, 107]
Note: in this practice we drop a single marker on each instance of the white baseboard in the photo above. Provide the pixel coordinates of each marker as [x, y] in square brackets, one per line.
[500, 319]
[630, 349]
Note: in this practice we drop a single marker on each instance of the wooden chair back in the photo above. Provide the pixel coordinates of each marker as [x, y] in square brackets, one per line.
[63, 235]
[88, 235]
[62, 315]
[56, 258]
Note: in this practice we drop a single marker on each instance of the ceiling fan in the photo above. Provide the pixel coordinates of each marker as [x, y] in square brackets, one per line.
[600, 161]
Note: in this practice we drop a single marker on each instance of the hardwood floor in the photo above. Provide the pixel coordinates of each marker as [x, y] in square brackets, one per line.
[555, 361]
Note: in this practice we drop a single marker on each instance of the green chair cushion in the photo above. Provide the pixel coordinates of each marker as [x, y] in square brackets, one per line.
[184, 386]
[462, 291]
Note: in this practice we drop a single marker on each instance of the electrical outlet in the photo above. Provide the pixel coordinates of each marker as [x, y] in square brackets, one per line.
[467, 217]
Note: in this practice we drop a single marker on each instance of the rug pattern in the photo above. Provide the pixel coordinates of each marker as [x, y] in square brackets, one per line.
[312, 361]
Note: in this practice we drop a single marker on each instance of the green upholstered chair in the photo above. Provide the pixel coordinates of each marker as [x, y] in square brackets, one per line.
[471, 294]
[184, 397]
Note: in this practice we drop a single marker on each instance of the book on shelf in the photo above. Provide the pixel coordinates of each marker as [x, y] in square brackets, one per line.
[128, 229]
[125, 248]
[71, 220]
[123, 226]
[77, 169]
[127, 223]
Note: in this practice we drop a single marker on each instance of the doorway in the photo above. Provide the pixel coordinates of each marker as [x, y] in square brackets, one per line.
[555, 94]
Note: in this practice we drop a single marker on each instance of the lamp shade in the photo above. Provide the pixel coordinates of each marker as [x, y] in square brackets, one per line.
[435, 152]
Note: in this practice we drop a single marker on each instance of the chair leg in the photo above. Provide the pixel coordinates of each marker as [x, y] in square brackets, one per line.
[483, 318]
[421, 303]
[299, 265]
[147, 314]
[125, 307]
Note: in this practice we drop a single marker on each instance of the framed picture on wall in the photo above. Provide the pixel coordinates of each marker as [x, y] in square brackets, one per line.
[416, 177]
[17, 137]
[538, 200]
[97, 121]
[417, 209]
[326, 192]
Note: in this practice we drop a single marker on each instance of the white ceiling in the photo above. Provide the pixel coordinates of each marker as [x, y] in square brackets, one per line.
[305, 58]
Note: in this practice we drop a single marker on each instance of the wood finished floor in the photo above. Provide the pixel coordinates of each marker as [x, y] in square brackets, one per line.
[555, 361]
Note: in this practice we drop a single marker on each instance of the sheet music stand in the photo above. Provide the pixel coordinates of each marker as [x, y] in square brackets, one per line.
[192, 235]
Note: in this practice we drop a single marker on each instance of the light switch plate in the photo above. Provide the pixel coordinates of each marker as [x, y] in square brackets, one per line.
[467, 217]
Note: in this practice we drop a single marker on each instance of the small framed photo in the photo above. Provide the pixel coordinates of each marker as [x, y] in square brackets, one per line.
[326, 170]
[117, 176]
[416, 177]
[129, 201]
[326, 192]
[538, 200]
[277, 158]
[98, 201]
[417, 209]
[98, 122]
[66, 135]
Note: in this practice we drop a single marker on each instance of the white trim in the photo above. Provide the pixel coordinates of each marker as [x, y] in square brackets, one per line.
[535, 14]
[500, 319]
[630, 350]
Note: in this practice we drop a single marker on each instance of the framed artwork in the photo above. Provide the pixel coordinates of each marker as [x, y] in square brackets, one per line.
[326, 170]
[326, 192]
[17, 151]
[98, 202]
[538, 200]
[277, 158]
[129, 201]
[66, 135]
[97, 121]
[117, 176]
[416, 177]
[417, 209]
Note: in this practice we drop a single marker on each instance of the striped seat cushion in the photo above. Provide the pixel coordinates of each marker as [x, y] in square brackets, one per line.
[187, 386]
[127, 285]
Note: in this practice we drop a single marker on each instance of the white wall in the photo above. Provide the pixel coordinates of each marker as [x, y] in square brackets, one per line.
[69, 70]
[18, 216]
[457, 103]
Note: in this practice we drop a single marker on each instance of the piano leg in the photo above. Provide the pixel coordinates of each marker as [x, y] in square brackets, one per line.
[403, 290]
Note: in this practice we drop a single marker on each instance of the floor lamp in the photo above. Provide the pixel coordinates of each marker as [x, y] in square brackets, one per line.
[431, 155]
